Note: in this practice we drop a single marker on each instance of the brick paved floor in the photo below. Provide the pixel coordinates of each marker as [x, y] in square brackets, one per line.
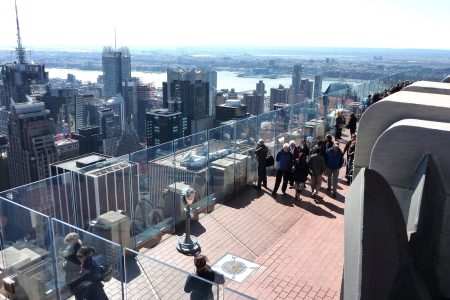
[299, 245]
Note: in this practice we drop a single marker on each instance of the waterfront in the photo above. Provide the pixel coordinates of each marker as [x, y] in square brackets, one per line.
[225, 79]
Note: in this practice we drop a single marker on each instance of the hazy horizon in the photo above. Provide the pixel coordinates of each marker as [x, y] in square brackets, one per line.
[369, 24]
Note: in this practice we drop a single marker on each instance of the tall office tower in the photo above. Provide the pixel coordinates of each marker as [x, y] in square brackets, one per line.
[278, 95]
[69, 95]
[32, 146]
[80, 110]
[130, 97]
[111, 129]
[211, 78]
[117, 105]
[163, 126]
[254, 103]
[145, 101]
[4, 117]
[296, 77]
[129, 140]
[116, 69]
[189, 93]
[260, 88]
[90, 140]
[317, 86]
[21, 78]
[4, 169]
[306, 89]
[102, 185]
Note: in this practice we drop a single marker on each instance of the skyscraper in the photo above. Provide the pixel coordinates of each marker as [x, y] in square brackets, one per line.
[278, 95]
[4, 170]
[21, 79]
[32, 146]
[164, 126]
[90, 139]
[317, 86]
[296, 77]
[260, 88]
[111, 129]
[306, 89]
[189, 93]
[116, 69]
[254, 103]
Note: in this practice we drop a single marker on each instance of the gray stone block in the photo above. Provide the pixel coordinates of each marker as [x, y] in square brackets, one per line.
[401, 105]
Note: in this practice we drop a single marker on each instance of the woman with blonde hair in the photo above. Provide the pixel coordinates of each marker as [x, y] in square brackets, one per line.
[71, 263]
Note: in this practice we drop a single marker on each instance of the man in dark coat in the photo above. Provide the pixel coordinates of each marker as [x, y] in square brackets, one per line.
[334, 161]
[284, 158]
[261, 152]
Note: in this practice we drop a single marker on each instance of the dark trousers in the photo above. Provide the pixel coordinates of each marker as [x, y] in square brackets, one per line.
[262, 176]
[286, 176]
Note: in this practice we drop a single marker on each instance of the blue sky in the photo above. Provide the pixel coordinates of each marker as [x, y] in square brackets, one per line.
[176, 23]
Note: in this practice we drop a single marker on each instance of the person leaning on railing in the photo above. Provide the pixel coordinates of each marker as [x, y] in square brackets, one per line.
[201, 289]
[87, 285]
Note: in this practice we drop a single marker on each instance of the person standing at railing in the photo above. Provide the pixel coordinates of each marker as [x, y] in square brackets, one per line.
[284, 158]
[201, 289]
[339, 124]
[71, 263]
[88, 284]
[261, 152]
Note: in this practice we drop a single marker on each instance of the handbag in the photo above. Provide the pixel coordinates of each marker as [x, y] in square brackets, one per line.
[269, 161]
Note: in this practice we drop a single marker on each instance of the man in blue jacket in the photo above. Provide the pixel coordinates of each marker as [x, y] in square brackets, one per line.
[334, 161]
[284, 158]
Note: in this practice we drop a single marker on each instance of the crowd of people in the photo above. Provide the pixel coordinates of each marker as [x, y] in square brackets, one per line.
[371, 99]
[83, 274]
[297, 164]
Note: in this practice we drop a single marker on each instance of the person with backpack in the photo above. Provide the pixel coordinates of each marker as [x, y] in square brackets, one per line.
[88, 284]
[284, 158]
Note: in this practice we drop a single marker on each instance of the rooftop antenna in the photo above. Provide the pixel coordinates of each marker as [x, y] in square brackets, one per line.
[20, 51]
[115, 39]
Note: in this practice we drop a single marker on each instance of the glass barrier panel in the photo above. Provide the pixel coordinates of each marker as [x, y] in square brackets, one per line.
[266, 131]
[110, 185]
[26, 259]
[230, 294]
[148, 278]
[103, 259]
[221, 166]
[39, 196]
[154, 210]
[190, 171]
[245, 160]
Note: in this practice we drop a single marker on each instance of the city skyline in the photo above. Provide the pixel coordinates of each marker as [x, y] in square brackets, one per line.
[347, 23]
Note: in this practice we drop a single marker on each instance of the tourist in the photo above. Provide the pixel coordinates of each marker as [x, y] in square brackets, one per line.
[317, 167]
[295, 151]
[261, 152]
[334, 162]
[284, 158]
[352, 123]
[300, 172]
[304, 148]
[71, 263]
[88, 283]
[202, 289]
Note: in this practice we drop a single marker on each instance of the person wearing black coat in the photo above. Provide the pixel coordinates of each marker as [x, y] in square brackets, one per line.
[87, 285]
[198, 288]
[261, 152]
[300, 172]
[352, 123]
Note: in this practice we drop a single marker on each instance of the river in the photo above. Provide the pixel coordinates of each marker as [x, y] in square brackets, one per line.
[225, 79]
